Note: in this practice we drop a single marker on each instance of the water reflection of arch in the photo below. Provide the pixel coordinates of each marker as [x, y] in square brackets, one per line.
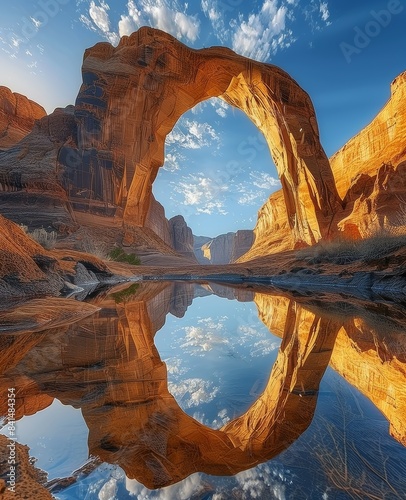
[109, 367]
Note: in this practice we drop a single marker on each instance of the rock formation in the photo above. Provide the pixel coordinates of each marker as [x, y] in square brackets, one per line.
[198, 242]
[242, 242]
[102, 155]
[30, 188]
[181, 237]
[369, 351]
[223, 249]
[218, 250]
[130, 99]
[28, 270]
[29, 480]
[17, 117]
[370, 175]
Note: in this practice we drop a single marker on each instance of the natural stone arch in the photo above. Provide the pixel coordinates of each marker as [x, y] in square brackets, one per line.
[133, 95]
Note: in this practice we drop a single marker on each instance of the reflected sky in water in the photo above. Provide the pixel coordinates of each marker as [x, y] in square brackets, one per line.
[307, 403]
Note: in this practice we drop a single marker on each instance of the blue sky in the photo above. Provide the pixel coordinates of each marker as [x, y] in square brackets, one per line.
[218, 170]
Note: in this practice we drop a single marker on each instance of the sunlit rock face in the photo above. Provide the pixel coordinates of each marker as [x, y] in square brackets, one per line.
[218, 250]
[382, 141]
[132, 96]
[17, 117]
[105, 363]
[242, 242]
[370, 175]
[106, 152]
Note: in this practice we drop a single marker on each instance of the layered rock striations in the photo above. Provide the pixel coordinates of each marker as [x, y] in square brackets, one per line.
[102, 155]
[218, 250]
[17, 117]
[136, 422]
[30, 189]
[28, 270]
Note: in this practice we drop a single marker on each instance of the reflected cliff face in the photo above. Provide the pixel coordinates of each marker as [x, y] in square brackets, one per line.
[107, 364]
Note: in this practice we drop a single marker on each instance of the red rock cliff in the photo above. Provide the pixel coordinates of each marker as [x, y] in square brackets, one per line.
[17, 117]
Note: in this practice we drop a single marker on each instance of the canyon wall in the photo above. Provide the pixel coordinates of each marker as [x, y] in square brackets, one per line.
[102, 155]
[133, 421]
[17, 117]
[181, 237]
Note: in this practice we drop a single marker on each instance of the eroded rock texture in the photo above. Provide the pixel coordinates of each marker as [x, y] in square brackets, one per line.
[369, 351]
[30, 189]
[17, 117]
[28, 270]
[137, 423]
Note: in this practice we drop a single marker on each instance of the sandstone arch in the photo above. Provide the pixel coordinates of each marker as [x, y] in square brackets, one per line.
[132, 96]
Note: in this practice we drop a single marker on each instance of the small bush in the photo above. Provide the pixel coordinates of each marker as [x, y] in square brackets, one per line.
[46, 239]
[118, 255]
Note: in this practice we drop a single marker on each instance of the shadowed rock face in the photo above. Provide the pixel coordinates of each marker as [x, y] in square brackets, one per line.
[132, 96]
[181, 237]
[107, 365]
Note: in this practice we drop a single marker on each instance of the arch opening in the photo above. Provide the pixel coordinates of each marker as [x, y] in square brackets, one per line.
[217, 172]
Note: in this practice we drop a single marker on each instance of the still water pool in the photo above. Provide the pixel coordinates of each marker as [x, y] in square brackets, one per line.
[201, 391]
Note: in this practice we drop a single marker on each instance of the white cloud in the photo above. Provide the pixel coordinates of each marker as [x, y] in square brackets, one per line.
[220, 106]
[316, 11]
[109, 490]
[192, 392]
[191, 134]
[36, 22]
[325, 14]
[211, 9]
[171, 163]
[203, 193]
[160, 14]
[254, 37]
[250, 197]
[191, 487]
[99, 15]
[265, 181]
[98, 20]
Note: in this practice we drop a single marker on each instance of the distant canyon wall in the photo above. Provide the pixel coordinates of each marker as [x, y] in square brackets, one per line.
[224, 248]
